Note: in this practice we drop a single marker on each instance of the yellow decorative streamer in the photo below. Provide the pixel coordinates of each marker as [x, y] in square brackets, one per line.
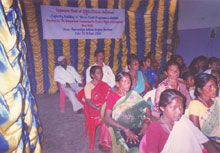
[36, 45]
[93, 46]
[172, 11]
[81, 55]
[124, 52]
[107, 49]
[51, 60]
[81, 44]
[107, 42]
[132, 28]
[93, 42]
[115, 58]
[147, 21]
[110, 4]
[159, 38]
[82, 3]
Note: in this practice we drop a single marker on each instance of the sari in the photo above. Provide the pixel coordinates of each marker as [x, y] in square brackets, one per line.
[129, 111]
[210, 121]
[139, 84]
[98, 97]
[189, 141]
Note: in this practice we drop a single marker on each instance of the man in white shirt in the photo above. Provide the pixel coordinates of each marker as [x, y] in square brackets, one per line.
[108, 75]
[70, 82]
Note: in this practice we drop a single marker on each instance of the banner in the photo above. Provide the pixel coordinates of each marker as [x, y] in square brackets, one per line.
[81, 23]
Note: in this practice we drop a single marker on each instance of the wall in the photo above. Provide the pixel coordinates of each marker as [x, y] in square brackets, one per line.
[196, 18]
[196, 42]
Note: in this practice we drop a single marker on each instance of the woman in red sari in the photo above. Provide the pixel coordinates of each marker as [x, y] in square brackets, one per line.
[96, 92]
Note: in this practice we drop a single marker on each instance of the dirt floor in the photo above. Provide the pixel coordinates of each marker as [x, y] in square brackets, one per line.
[62, 132]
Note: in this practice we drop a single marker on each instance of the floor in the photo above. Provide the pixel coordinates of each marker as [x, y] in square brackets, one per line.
[62, 132]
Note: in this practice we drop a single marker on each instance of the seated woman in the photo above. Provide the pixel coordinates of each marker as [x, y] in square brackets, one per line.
[127, 113]
[96, 93]
[139, 82]
[204, 111]
[171, 82]
[149, 72]
[173, 132]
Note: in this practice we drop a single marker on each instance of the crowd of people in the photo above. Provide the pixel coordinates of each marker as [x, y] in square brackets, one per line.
[185, 116]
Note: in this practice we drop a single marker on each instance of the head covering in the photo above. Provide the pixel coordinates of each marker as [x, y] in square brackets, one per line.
[60, 58]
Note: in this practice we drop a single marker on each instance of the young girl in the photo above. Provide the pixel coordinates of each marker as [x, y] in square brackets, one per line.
[188, 77]
[148, 71]
[96, 92]
[173, 132]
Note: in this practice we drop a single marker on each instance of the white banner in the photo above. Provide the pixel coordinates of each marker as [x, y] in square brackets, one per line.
[81, 23]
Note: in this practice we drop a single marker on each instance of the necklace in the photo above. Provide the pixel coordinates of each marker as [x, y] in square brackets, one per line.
[165, 124]
[207, 104]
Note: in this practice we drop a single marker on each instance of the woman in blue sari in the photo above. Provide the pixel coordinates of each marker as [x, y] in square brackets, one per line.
[139, 82]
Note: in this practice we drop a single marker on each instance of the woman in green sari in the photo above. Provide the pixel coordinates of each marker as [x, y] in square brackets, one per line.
[204, 111]
[128, 114]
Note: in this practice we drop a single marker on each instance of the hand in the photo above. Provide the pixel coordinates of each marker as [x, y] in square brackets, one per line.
[68, 85]
[131, 137]
[144, 129]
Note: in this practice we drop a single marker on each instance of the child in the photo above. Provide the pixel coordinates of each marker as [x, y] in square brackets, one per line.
[148, 71]
[188, 77]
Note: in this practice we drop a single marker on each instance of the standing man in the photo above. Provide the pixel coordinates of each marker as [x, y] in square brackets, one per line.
[70, 82]
[108, 75]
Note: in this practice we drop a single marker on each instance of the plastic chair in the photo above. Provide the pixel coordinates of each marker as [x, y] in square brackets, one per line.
[150, 94]
[81, 99]
[90, 123]
[62, 98]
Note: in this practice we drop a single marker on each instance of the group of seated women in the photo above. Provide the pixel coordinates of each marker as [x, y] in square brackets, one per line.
[176, 123]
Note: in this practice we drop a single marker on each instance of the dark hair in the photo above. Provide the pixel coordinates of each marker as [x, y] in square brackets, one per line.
[93, 69]
[169, 63]
[130, 58]
[168, 96]
[144, 60]
[212, 60]
[120, 75]
[202, 58]
[201, 80]
[97, 52]
[187, 74]
[150, 53]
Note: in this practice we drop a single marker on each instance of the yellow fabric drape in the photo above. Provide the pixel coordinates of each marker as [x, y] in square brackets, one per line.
[51, 60]
[36, 44]
[132, 29]
[147, 21]
[93, 42]
[172, 11]
[159, 39]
